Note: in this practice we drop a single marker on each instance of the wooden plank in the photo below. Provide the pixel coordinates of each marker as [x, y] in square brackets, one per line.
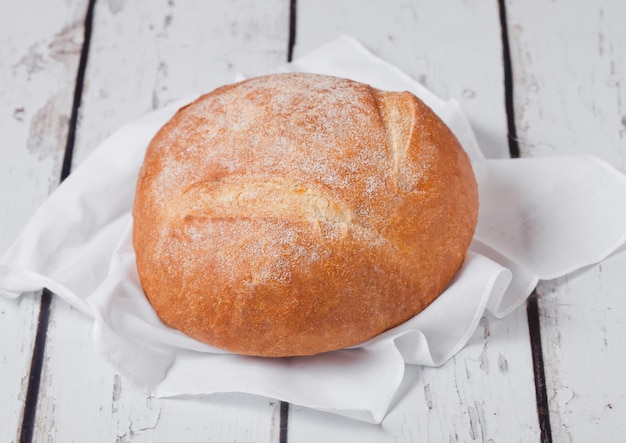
[144, 55]
[37, 68]
[565, 104]
[485, 393]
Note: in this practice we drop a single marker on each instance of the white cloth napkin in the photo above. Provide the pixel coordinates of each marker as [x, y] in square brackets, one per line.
[539, 219]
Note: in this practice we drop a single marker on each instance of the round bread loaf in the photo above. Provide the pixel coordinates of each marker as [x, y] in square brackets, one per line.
[295, 214]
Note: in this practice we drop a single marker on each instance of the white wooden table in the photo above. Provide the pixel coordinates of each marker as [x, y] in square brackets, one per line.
[536, 78]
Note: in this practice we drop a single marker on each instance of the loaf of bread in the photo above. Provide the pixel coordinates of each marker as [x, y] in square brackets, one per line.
[294, 214]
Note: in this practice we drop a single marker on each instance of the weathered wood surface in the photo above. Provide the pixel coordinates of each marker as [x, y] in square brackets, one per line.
[568, 67]
[37, 72]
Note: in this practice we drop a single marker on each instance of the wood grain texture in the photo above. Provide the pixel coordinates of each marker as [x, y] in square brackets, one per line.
[144, 55]
[569, 64]
[569, 69]
[37, 68]
[470, 398]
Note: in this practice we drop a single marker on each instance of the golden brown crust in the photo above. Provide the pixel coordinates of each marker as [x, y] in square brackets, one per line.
[295, 214]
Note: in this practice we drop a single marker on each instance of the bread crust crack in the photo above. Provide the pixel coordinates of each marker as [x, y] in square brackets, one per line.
[259, 197]
[397, 111]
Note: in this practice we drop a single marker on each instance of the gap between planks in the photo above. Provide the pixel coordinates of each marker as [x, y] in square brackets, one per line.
[532, 307]
[34, 377]
[291, 43]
